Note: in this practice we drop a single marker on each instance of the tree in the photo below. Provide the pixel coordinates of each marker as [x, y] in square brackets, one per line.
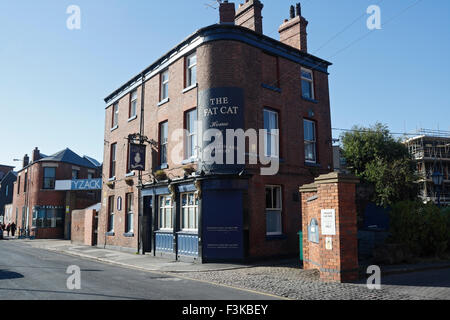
[382, 161]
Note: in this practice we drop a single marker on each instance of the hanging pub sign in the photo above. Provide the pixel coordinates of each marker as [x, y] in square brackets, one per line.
[137, 157]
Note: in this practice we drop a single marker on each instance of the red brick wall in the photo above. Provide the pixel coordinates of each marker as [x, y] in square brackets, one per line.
[336, 192]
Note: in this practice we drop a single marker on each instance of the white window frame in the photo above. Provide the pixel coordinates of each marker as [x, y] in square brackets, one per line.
[274, 209]
[133, 104]
[164, 84]
[189, 70]
[164, 143]
[311, 81]
[310, 142]
[162, 213]
[273, 134]
[191, 136]
[186, 226]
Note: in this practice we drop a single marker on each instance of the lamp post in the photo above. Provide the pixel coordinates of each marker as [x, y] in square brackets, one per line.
[438, 178]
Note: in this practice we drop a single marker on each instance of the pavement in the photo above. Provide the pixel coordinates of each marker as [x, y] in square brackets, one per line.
[144, 262]
[31, 273]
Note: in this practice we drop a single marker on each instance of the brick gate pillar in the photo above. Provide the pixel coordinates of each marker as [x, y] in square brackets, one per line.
[329, 224]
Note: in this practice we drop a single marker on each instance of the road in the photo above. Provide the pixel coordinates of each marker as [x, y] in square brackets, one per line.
[28, 273]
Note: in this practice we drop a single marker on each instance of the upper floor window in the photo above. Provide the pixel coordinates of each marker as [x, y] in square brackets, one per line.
[271, 138]
[191, 132]
[49, 178]
[273, 210]
[164, 85]
[7, 190]
[112, 161]
[74, 174]
[163, 142]
[133, 104]
[90, 175]
[18, 185]
[307, 84]
[309, 128]
[115, 115]
[25, 182]
[191, 70]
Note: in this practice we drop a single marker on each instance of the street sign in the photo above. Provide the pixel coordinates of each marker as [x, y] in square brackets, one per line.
[137, 157]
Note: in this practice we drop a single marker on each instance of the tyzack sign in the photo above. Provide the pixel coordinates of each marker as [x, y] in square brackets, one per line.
[87, 184]
[137, 157]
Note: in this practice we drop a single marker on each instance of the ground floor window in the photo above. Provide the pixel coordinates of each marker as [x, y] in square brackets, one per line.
[189, 211]
[130, 212]
[273, 210]
[111, 214]
[48, 217]
[165, 213]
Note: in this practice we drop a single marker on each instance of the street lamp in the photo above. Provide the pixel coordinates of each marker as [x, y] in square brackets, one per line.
[438, 178]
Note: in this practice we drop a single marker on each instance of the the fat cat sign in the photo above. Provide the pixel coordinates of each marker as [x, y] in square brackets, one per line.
[137, 157]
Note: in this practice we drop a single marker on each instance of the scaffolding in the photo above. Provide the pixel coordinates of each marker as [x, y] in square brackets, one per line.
[431, 152]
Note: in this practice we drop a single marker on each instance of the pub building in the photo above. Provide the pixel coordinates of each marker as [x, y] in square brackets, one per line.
[224, 76]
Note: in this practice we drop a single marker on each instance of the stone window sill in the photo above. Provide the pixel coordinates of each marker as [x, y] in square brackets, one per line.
[114, 128]
[312, 164]
[266, 86]
[163, 102]
[189, 88]
[132, 118]
[110, 234]
[128, 235]
[276, 237]
[310, 100]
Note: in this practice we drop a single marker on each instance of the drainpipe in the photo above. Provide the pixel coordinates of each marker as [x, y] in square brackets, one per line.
[141, 228]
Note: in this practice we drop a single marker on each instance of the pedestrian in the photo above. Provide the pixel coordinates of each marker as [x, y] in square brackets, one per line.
[13, 229]
[8, 228]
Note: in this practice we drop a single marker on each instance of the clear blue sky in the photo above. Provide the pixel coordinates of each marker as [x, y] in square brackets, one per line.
[53, 80]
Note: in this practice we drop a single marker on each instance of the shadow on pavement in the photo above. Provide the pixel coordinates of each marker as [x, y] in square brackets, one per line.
[7, 275]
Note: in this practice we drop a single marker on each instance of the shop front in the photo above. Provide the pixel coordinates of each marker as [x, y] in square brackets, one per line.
[197, 219]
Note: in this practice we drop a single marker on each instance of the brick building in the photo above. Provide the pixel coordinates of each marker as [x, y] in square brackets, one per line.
[225, 76]
[6, 191]
[42, 201]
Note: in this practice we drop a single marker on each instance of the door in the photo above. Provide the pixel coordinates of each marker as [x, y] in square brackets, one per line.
[95, 229]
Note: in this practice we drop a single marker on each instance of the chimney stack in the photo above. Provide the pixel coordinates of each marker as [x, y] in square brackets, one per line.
[227, 12]
[293, 31]
[36, 155]
[249, 15]
[26, 161]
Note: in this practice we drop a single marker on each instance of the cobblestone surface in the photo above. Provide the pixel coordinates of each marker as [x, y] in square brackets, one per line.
[290, 281]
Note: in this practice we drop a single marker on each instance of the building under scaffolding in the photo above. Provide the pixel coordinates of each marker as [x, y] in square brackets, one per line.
[431, 151]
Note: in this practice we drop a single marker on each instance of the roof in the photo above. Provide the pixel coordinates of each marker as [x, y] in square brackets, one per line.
[68, 156]
[230, 32]
[6, 175]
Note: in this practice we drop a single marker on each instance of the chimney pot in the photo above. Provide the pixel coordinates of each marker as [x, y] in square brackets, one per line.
[292, 12]
[36, 154]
